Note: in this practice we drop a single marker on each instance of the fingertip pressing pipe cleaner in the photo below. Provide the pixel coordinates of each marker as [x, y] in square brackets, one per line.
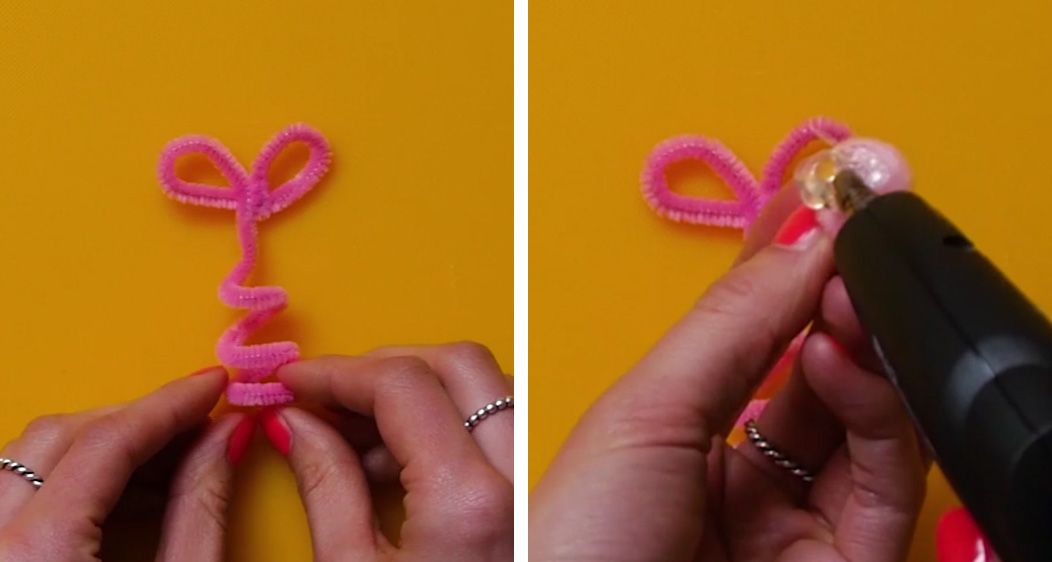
[250, 197]
[878, 164]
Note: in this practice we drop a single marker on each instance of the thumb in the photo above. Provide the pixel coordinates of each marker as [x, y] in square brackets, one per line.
[714, 358]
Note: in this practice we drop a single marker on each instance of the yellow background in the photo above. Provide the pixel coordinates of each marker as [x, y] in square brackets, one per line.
[110, 286]
[963, 88]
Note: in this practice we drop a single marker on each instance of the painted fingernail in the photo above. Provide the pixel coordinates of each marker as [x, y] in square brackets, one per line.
[752, 411]
[276, 430]
[240, 439]
[206, 370]
[958, 538]
[799, 227]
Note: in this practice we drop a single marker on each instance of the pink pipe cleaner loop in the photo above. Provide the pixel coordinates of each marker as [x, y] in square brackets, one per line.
[250, 196]
[751, 195]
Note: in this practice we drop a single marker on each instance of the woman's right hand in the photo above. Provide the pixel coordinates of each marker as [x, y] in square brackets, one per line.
[401, 411]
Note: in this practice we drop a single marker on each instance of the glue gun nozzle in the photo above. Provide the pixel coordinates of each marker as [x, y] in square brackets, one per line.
[852, 194]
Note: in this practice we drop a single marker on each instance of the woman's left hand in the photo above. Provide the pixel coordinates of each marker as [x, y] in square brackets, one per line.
[108, 472]
[648, 474]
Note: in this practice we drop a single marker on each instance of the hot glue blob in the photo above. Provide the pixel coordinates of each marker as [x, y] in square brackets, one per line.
[877, 164]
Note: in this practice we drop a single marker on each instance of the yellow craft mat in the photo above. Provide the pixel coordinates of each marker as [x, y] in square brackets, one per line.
[962, 87]
[111, 288]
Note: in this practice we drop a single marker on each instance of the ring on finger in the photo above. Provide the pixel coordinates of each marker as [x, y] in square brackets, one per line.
[777, 457]
[21, 470]
[487, 410]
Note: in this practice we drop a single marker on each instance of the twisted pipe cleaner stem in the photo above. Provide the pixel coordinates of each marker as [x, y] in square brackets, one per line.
[250, 197]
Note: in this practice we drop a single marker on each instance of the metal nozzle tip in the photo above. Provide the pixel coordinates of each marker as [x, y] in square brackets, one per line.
[852, 193]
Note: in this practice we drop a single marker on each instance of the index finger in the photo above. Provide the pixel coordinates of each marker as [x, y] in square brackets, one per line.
[90, 479]
[773, 216]
[714, 358]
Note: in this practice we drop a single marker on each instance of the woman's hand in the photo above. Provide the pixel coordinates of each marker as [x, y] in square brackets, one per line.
[647, 474]
[108, 473]
[403, 410]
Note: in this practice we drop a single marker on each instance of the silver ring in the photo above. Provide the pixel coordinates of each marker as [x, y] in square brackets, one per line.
[488, 410]
[21, 470]
[776, 456]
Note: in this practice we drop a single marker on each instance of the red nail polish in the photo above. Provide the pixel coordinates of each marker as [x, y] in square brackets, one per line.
[276, 430]
[796, 225]
[958, 538]
[240, 439]
[208, 369]
[843, 351]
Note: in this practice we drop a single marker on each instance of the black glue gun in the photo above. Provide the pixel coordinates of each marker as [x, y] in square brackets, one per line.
[970, 355]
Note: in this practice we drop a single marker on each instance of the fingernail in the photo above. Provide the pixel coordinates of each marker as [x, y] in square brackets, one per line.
[798, 229]
[240, 439]
[958, 538]
[206, 370]
[752, 411]
[276, 430]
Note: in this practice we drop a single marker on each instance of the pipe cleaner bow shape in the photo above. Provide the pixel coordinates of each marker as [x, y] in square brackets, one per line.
[250, 197]
[751, 194]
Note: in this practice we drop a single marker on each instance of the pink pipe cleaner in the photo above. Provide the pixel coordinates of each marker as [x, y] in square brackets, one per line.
[751, 194]
[252, 200]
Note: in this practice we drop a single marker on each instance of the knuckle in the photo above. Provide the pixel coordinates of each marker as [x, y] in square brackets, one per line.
[406, 372]
[656, 424]
[102, 432]
[736, 302]
[47, 428]
[327, 358]
[468, 353]
[110, 434]
[729, 296]
[213, 502]
[209, 497]
[313, 475]
[483, 510]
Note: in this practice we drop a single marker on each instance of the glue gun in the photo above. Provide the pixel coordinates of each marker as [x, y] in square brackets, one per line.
[970, 356]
